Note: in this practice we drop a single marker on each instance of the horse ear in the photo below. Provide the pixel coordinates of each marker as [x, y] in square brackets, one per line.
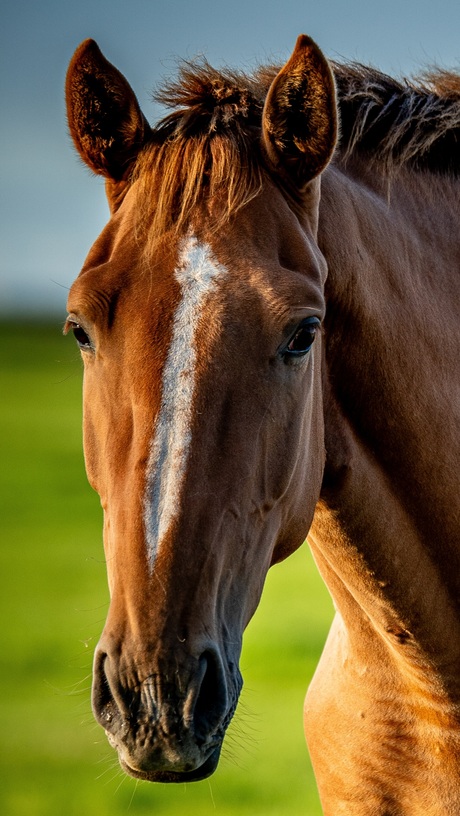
[299, 123]
[105, 121]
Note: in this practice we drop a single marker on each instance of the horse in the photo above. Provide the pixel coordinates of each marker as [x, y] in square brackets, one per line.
[269, 330]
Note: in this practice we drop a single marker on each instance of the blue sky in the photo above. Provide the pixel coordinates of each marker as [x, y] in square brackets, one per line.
[51, 208]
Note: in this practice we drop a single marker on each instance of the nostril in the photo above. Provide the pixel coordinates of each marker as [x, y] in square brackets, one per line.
[211, 701]
[103, 702]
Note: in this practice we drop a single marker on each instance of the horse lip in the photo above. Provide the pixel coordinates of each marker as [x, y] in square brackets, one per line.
[196, 775]
[202, 771]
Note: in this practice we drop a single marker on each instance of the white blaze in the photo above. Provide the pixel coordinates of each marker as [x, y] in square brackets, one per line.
[197, 273]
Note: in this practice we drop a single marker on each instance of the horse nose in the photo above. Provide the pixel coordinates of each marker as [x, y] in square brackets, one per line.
[169, 722]
[110, 701]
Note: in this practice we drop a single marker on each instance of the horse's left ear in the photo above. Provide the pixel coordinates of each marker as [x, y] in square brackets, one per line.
[105, 121]
[299, 124]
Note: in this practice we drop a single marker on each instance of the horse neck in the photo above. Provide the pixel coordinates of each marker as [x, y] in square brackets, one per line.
[392, 409]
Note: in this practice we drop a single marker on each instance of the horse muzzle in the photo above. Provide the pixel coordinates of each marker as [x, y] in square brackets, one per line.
[170, 726]
[201, 771]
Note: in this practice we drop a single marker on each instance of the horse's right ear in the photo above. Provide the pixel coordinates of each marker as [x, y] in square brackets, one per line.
[105, 121]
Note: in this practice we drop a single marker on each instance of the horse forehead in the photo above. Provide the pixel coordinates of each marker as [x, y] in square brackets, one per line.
[197, 269]
[212, 279]
[251, 257]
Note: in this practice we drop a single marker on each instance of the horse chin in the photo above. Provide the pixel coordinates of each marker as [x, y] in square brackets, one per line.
[195, 775]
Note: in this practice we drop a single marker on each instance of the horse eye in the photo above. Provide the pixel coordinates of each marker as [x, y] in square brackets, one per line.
[81, 337]
[302, 340]
[83, 341]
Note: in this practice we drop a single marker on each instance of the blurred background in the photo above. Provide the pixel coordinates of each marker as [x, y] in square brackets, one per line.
[53, 599]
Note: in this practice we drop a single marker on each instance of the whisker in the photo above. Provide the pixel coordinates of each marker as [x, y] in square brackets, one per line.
[112, 766]
[212, 794]
[133, 794]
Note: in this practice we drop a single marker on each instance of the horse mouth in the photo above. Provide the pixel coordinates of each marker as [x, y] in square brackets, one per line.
[194, 775]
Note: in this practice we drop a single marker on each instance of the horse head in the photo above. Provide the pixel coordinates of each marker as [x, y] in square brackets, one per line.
[198, 314]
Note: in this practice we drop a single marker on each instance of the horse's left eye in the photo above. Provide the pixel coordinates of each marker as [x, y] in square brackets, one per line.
[81, 337]
[303, 338]
[83, 341]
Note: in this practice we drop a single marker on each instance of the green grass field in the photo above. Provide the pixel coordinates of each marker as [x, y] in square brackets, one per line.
[54, 760]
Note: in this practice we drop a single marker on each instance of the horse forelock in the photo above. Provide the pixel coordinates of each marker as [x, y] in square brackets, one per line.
[177, 178]
[206, 148]
[203, 97]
